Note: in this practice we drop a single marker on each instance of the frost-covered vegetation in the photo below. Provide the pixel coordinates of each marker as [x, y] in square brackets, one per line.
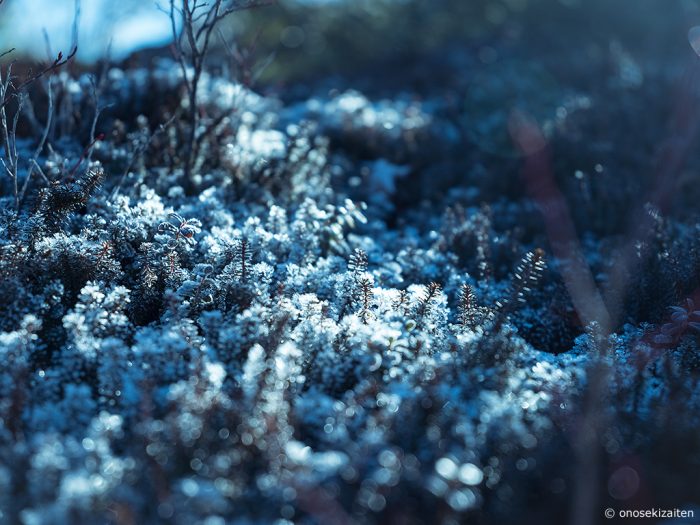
[345, 307]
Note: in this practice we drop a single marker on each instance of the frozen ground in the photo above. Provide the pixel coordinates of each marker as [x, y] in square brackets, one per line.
[359, 308]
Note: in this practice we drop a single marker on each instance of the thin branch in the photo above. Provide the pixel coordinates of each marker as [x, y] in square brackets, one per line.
[47, 43]
[84, 155]
[190, 48]
[141, 149]
[41, 172]
[76, 25]
[8, 161]
[33, 77]
[13, 156]
[96, 87]
[40, 146]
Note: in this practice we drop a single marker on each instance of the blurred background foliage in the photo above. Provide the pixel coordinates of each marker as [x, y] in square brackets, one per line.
[588, 71]
[312, 38]
[373, 35]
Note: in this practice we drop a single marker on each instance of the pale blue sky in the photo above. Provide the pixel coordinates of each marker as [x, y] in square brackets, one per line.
[128, 24]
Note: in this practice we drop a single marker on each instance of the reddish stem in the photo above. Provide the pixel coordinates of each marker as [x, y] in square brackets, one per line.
[84, 154]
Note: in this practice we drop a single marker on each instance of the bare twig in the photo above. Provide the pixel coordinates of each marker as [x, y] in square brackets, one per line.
[141, 150]
[11, 88]
[33, 77]
[84, 155]
[96, 89]
[40, 146]
[190, 47]
[40, 172]
[8, 132]
[76, 25]
[244, 59]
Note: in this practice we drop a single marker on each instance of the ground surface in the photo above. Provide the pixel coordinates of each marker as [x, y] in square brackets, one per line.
[443, 297]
